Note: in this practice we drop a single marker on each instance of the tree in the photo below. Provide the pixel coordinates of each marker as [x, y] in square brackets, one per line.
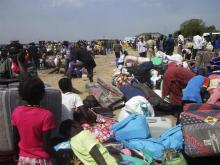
[211, 28]
[190, 27]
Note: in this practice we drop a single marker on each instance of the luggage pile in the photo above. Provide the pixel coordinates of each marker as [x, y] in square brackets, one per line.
[148, 133]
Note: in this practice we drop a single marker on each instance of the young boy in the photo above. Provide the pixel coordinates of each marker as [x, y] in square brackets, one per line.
[84, 144]
[71, 101]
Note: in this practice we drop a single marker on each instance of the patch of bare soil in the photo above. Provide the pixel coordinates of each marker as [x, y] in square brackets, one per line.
[104, 69]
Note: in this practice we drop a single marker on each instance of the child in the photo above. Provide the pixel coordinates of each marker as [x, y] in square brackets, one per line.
[32, 125]
[71, 101]
[84, 145]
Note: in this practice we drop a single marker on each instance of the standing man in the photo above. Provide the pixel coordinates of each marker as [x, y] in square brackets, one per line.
[175, 80]
[160, 43]
[180, 43]
[117, 50]
[150, 45]
[82, 55]
[34, 54]
[68, 55]
[169, 45]
[197, 44]
[141, 46]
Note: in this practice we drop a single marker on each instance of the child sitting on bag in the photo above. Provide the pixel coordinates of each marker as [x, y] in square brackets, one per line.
[84, 144]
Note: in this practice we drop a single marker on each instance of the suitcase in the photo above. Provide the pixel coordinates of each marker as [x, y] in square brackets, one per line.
[201, 132]
[9, 99]
[129, 91]
[106, 94]
[51, 101]
[159, 125]
[6, 140]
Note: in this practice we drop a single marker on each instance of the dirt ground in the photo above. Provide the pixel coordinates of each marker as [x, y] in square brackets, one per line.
[104, 69]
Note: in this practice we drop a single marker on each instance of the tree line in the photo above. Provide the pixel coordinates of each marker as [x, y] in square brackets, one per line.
[191, 27]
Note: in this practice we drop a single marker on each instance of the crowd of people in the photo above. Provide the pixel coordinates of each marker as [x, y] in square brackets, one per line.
[167, 44]
[85, 134]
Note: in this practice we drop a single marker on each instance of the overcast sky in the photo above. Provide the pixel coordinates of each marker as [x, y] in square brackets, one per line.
[33, 20]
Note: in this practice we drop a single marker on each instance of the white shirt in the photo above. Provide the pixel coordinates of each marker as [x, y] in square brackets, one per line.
[70, 101]
[89, 48]
[180, 39]
[57, 61]
[197, 42]
[141, 46]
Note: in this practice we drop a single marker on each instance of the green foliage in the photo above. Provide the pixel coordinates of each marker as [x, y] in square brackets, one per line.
[190, 27]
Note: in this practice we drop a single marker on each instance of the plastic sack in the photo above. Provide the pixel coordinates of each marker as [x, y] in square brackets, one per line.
[136, 105]
[133, 127]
